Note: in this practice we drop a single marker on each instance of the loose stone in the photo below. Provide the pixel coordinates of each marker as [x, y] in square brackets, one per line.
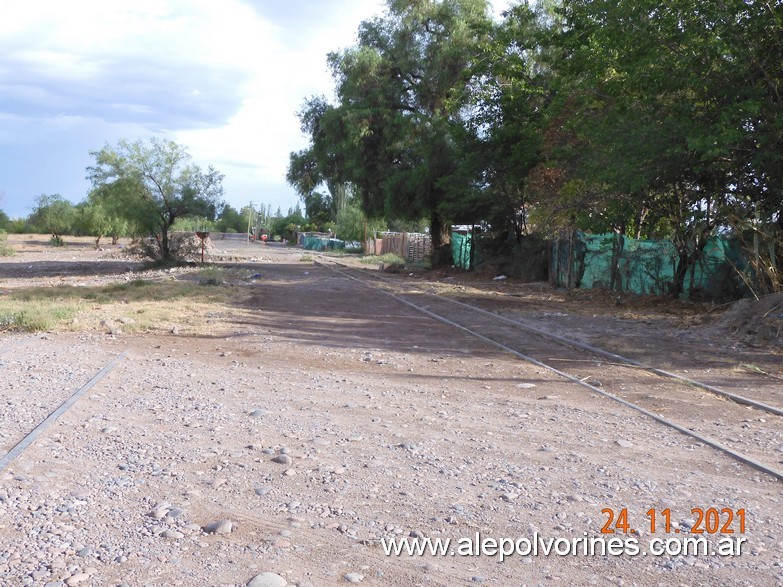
[221, 527]
[267, 580]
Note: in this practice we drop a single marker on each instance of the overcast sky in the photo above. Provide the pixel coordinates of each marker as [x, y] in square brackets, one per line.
[225, 79]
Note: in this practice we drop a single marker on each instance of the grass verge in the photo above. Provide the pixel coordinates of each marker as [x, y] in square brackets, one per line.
[134, 306]
[388, 259]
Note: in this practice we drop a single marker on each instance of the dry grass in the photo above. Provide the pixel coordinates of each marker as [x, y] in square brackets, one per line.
[6, 250]
[387, 258]
[135, 306]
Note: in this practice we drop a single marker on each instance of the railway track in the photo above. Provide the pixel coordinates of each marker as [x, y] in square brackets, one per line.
[29, 438]
[744, 428]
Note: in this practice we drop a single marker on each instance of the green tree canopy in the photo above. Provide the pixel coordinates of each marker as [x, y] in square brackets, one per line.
[664, 119]
[230, 220]
[54, 215]
[401, 91]
[102, 214]
[156, 184]
[676, 109]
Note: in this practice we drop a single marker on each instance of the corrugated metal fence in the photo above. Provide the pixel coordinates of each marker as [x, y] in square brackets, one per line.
[411, 246]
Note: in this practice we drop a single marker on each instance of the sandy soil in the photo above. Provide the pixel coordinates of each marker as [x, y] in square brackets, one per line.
[332, 419]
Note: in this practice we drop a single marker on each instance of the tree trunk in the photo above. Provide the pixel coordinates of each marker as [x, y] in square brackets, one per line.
[641, 216]
[472, 246]
[436, 231]
[165, 250]
[680, 272]
[618, 242]
[686, 259]
[518, 228]
[440, 233]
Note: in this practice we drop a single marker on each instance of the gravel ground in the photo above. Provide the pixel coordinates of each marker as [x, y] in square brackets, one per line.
[283, 448]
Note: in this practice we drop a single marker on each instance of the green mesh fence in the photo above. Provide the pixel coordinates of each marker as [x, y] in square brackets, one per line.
[461, 245]
[643, 266]
[315, 243]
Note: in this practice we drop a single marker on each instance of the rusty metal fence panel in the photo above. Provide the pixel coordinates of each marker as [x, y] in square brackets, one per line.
[419, 247]
[411, 246]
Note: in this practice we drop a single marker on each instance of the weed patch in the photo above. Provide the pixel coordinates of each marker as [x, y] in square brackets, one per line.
[6, 250]
[388, 259]
[140, 305]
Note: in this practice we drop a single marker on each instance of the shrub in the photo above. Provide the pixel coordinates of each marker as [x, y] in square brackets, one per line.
[181, 248]
[6, 250]
[36, 318]
[388, 259]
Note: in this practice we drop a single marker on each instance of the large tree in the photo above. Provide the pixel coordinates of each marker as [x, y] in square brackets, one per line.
[394, 133]
[53, 214]
[102, 214]
[230, 220]
[511, 92]
[157, 184]
[675, 112]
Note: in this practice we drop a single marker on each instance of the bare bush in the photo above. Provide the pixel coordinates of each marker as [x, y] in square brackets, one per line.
[762, 247]
[182, 248]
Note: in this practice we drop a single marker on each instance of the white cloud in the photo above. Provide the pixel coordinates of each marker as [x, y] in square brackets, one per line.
[265, 129]
[222, 78]
[217, 33]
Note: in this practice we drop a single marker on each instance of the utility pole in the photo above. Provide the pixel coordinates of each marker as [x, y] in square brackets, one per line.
[249, 220]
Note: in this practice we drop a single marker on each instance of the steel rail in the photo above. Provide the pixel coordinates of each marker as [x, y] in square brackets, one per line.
[23, 444]
[686, 431]
[739, 399]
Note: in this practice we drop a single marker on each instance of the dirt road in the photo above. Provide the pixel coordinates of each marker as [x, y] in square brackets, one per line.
[299, 438]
